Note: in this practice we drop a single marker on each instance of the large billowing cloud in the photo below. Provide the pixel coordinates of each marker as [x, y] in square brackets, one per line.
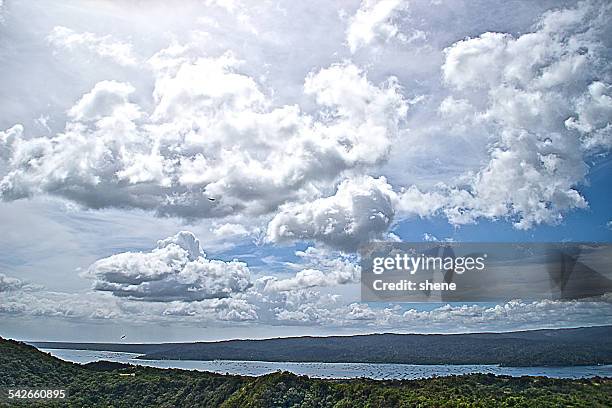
[176, 270]
[544, 100]
[212, 145]
[361, 210]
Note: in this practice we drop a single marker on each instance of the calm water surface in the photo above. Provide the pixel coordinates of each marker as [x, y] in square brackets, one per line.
[333, 370]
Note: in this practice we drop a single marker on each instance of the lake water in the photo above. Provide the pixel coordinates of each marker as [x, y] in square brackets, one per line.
[332, 370]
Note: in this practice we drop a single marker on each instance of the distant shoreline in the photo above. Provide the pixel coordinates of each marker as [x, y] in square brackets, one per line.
[589, 346]
[322, 370]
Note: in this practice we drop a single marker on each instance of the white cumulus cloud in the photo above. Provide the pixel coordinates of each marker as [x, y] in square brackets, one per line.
[176, 270]
[213, 144]
[374, 20]
[362, 209]
[543, 99]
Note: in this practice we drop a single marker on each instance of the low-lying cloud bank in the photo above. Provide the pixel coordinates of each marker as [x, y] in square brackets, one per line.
[176, 283]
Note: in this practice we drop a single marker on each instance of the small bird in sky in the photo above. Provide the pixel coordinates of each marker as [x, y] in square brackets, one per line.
[211, 199]
[123, 337]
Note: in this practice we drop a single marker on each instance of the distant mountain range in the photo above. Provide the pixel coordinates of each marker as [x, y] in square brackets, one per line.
[548, 347]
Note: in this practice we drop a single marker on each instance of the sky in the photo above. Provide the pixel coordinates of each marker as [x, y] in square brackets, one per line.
[208, 170]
